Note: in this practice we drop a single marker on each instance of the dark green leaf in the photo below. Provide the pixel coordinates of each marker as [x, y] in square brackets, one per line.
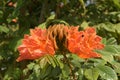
[14, 43]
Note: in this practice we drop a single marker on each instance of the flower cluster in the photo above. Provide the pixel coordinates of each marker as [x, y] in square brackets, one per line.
[41, 42]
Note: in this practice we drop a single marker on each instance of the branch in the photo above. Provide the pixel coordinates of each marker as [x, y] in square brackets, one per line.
[43, 10]
[70, 65]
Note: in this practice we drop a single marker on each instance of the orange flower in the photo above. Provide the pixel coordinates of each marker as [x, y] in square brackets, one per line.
[10, 4]
[14, 20]
[83, 43]
[36, 45]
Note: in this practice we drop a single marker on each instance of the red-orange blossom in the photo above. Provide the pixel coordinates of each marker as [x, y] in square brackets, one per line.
[38, 43]
[35, 45]
[83, 43]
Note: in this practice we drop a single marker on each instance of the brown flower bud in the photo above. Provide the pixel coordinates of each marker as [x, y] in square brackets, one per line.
[58, 34]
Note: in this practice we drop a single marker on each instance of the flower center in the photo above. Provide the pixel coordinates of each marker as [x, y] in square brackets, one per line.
[58, 33]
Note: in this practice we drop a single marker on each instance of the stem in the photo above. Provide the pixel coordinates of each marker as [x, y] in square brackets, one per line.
[86, 60]
[1, 76]
[83, 6]
[70, 65]
[57, 10]
[43, 10]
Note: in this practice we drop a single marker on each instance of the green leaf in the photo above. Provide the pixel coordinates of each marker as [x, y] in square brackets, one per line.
[25, 71]
[108, 58]
[103, 40]
[55, 72]
[37, 69]
[42, 26]
[116, 66]
[30, 66]
[92, 74]
[117, 47]
[60, 64]
[76, 60]
[57, 62]
[43, 62]
[117, 3]
[81, 1]
[111, 49]
[45, 72]
[65, 71]
[84, 24]
[111, 41]
[107, 73]
[104, 52]
[51, 60]
[117, 27]
[51, 17]
[1, 58]
[1, 14]
[65, 1]
[14, 43]
[98, 62]
[4, 29]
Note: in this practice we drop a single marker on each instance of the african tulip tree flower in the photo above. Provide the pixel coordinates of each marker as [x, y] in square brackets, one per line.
[42, 42]
[83, 43]
[35, 45]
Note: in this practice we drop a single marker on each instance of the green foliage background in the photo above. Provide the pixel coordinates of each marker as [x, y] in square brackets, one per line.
[104, 15]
